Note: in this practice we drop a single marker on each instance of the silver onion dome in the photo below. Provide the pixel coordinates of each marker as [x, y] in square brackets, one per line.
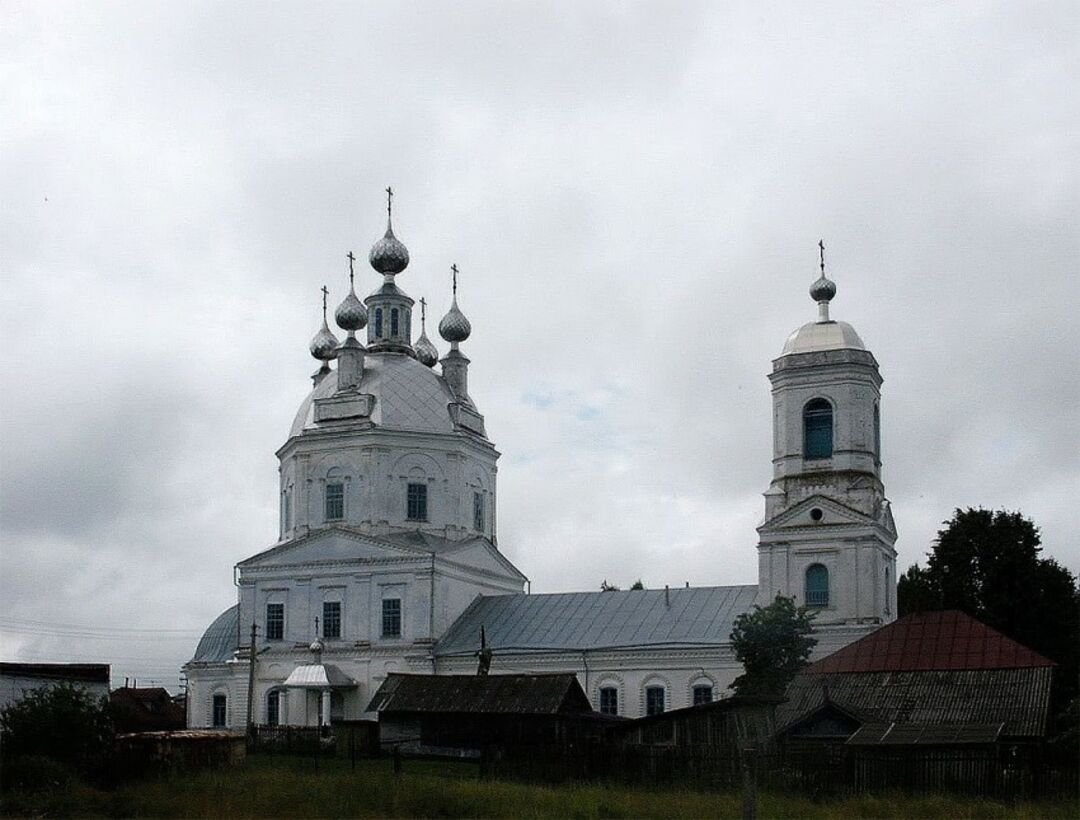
[426, 353]
[389, 255]
[324, 344]
[351, 314]
[823, 289]
[454, 327]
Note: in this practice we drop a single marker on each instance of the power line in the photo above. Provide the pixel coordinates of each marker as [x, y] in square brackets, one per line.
[104, 630]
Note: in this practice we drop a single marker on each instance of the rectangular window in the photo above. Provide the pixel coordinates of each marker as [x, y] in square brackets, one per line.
[417, 506]
[335, 502]
[654, 700]
[378, 323]
[609, 700]
[391, 618]
[478, 511]
[273, 708]
[393, 323]
[219, 711]
[702, 694]
[331, 619]
[275, 622]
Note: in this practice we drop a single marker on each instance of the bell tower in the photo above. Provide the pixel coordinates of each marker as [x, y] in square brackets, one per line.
[828, 533]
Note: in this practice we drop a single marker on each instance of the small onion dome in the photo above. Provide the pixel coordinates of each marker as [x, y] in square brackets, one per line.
[823, 289]
[454, 327]
[426, 352]
[351, 313]
[389, 255]
[316, 646]
[324, 344]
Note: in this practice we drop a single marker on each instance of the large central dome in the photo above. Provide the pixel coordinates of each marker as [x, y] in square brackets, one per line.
[408, 396]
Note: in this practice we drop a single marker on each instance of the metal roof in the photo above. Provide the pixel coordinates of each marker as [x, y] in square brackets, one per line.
[74, 672]
[408, 396]
[931, 640]
[597, 620]
[1018, 698]
[488, 694]
[221, 639]
[318, 676]
[920, 734]
[817, 336]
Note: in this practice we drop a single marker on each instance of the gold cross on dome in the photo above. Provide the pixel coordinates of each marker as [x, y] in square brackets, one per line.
[453, 268]
[821, 247]
[325, 293]
[352, 258]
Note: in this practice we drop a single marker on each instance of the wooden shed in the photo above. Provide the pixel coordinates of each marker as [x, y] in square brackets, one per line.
[459, 715]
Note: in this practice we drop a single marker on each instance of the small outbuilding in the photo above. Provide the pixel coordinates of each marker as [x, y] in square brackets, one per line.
[146, 709]
[18, 679]
[933, 700]
[460, 715]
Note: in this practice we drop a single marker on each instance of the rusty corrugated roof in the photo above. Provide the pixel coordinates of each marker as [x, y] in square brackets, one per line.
[931, 640]
[488, 694]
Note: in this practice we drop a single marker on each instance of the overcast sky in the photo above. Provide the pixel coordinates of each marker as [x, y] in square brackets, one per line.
[633, 192]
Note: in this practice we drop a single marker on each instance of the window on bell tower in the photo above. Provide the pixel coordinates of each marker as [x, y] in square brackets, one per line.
[378, 323]
[817, 585]
[393, 322]
[817, 429]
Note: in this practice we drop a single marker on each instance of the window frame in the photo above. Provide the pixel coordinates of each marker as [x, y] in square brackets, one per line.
[219, 699]
[273, 707]
[697, 689]
[818, 425]
[338, 485]
[326, 620]
[395, 618]
[650, 706]
[816, 597]
[416, 503]
[278, 633]
[395, 323]
[378, 323]
[604, 694]
[479, 514]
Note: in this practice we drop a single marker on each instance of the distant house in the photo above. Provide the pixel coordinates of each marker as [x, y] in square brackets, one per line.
[936, 679]
[459, 715]
[17, 679]
[146, 709]
[728, 724]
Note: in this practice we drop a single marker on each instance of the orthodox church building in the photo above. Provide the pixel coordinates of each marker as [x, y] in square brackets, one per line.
[388, 557]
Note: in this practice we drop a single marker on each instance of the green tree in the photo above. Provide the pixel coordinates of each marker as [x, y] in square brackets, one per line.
[987, 564]
[61, 722]
[772, 643]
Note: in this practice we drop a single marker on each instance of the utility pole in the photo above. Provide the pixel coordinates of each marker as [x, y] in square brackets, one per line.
[251, 690]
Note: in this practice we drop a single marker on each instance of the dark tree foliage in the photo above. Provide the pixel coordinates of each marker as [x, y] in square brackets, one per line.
[987, 564]
[638, 584]
[772, 643]
[60, 722]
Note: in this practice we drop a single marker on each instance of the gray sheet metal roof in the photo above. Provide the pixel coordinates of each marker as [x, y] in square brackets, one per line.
[921, 734]
[408, 396]
[221, 639]
[487, 694]
[595, 620]
[1019, 698]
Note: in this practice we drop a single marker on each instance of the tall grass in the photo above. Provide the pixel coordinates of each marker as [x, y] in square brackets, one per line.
[293, 787]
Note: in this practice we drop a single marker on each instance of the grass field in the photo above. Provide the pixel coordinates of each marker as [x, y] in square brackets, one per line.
[293, 787]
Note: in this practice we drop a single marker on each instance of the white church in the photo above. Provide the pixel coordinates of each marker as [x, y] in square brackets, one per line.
[388, 556]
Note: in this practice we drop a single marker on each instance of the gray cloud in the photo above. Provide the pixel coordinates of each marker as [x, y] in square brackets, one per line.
[633, 194]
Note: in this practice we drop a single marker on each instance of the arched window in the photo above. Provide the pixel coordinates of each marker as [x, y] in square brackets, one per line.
[393, 322]
[273, 707]
[817, 585]
[378, 323]
[817, 429]
[654, 699]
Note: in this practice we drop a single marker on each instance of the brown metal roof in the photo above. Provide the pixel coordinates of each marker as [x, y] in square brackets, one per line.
[931, 640]
[490, 694]
[74, 672]
[1018, 698]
